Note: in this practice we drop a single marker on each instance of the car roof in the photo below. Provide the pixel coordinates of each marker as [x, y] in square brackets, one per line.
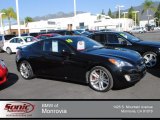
[49, 34]
[66, 37]
[104, 32]
[21, 37]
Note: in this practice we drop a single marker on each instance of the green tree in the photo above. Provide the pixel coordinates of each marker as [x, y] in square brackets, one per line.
[9, 14]
[109, 13]
[117, 15]
[103, 13]
[130, 13]
[99, 17]
[28, 19]
[148, 6]
[157, 15]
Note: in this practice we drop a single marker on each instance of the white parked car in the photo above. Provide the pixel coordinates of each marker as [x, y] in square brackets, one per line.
[11, 45]
[138, 30]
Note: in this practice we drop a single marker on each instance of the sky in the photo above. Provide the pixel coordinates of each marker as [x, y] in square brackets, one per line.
[34, 8]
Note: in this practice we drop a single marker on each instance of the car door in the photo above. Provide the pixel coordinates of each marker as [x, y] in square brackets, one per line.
[61, 62]
[52, 59]
[14, 43]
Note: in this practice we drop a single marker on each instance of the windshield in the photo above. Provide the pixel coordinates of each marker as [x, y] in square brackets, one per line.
[76, 33]
[129, 37]
[30, 39]
[83, 43]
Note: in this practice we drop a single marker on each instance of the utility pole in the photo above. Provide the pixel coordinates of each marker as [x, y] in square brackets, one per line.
[119, 10]
[2, 29]
[18, 21]
[75, 8]
[135, 12]
[125, 19]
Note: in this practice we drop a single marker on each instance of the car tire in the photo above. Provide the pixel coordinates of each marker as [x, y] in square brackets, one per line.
[150, 59]
[26, 70]
[102, 83]
[8, 51]
[1, 50]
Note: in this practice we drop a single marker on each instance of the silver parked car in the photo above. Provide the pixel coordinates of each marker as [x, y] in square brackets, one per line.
[138, 30]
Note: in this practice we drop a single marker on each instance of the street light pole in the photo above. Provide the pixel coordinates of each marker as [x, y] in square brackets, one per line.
[75, 14]
[2, 29]
[125, 19]
[125, 14]
[119, 9]
[75, 8]
[135, 12]
[18, 21]
[25, 26]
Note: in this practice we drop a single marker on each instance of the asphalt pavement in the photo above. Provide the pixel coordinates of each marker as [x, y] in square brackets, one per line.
[18, 88]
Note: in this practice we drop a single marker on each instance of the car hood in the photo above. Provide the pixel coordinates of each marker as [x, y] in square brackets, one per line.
[120, 53]
[149, 43]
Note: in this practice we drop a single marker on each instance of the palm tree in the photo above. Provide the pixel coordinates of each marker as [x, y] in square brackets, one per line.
[9, 14]
[157, 15]
[27, 20]
[148, 6]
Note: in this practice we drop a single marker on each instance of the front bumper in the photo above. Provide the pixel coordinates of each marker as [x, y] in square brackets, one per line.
[3, 75]
[129, 75]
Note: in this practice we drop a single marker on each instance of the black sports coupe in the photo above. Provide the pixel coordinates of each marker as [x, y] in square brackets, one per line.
[81, 59]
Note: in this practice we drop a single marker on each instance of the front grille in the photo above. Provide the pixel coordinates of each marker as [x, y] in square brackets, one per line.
[135, 77]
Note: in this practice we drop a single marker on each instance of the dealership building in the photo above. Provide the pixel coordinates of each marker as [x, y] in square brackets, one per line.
[80, 21]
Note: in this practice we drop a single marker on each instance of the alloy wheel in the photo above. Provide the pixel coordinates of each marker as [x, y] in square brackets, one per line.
[150, 60]
[100, 79]
[26, 70]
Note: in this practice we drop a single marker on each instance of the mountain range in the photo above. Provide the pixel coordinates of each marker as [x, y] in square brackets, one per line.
[63, 14]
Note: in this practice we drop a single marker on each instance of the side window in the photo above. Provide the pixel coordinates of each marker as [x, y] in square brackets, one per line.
[18, 40]
[37, 46]
[13, 40]
[55, 46]
[63, 47]
[113, 39]
[100, 38]
[47, 47]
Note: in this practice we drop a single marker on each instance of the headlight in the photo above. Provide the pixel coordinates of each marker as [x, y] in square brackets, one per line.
[120, 63]
[159, 49]
[2, 64]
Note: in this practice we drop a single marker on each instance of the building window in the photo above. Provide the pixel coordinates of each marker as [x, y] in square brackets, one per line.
[81, 24]
[51, 23]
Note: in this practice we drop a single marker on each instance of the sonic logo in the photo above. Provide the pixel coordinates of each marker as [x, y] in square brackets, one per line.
[19, 107]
